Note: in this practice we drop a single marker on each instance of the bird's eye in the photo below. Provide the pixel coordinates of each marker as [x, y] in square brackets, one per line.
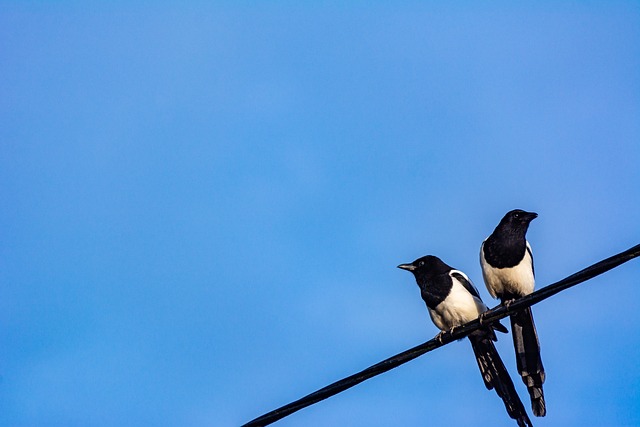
[421, 263]
[516, 215]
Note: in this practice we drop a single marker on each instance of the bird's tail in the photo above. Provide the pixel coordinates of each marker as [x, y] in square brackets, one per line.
[525, 342]
[496, 377]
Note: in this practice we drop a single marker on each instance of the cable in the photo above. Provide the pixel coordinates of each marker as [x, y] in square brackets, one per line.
[457, 333]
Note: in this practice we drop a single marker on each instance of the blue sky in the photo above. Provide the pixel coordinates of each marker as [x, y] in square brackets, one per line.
[204, 205]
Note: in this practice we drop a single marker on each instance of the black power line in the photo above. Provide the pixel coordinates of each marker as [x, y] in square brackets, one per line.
[457, 333]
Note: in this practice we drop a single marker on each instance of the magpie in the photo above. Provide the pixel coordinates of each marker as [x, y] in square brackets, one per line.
[452, 300]
[507, 269]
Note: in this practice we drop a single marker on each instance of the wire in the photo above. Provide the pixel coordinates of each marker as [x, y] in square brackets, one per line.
[457, 333]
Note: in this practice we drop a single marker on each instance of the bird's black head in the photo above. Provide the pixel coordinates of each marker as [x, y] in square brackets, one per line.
[426, 266]
[517, 219]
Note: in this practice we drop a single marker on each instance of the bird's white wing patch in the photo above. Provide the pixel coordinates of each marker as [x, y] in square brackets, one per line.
[493, 283]
[464, 281]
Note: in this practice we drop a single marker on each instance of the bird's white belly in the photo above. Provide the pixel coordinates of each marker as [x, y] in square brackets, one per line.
[517, 280]
[458, 308]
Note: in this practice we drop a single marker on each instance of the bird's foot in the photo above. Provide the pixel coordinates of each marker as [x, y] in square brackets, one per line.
[441, 334]
[481, 318]
[507, 303]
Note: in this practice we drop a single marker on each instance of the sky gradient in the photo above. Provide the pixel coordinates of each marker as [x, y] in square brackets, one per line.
[204, 205]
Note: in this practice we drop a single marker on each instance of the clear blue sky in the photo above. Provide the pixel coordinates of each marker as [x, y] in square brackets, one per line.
[203, 205]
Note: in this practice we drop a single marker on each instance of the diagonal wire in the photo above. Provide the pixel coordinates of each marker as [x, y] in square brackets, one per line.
[457, 333]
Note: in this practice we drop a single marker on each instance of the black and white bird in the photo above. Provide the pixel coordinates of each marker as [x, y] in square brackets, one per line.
[507, 269]
[452, 300]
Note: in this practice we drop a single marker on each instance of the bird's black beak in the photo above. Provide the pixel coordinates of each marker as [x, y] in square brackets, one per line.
[530, 216]
[408, 267]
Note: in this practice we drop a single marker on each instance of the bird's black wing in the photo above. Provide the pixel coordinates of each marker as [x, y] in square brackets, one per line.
[464, 281]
